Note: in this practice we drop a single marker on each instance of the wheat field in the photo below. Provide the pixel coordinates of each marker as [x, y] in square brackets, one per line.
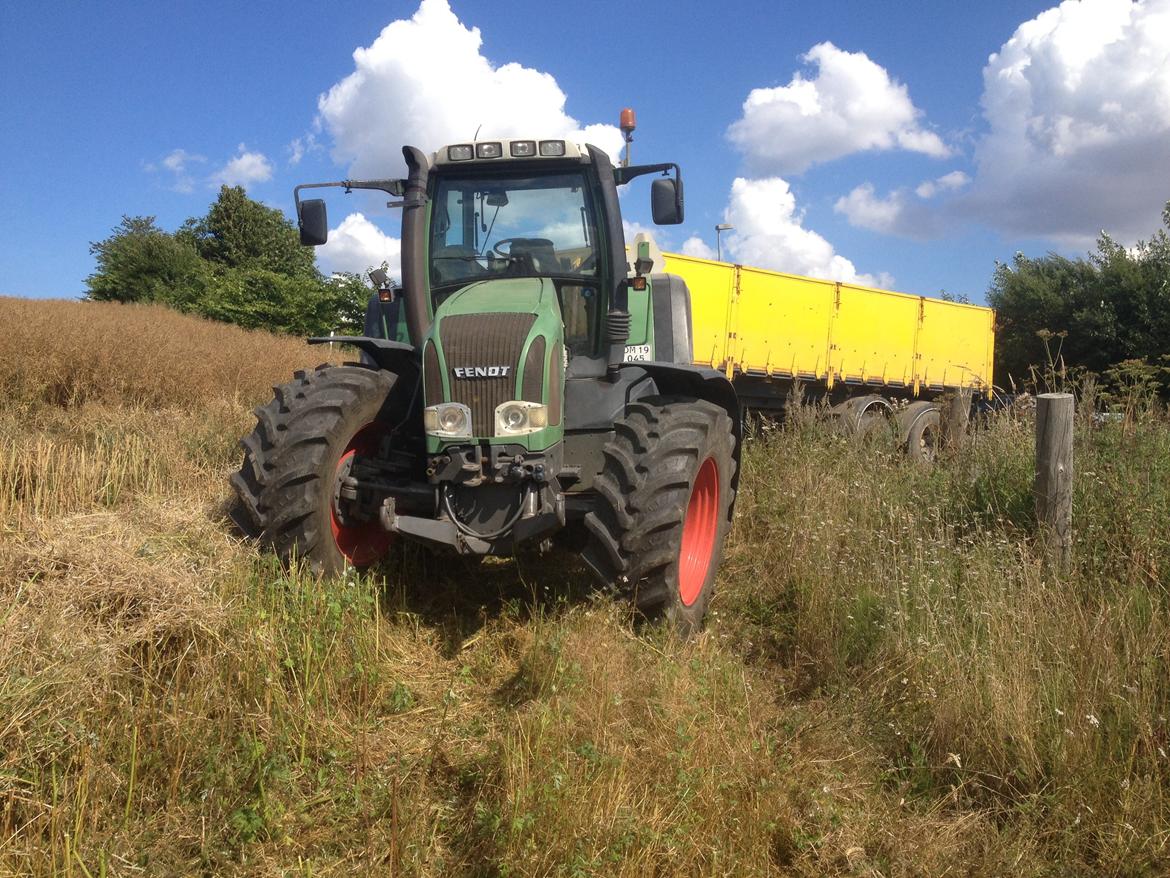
[893, 681]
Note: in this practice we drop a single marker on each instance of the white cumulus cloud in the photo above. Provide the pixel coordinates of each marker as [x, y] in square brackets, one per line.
[178, 163]
[1078, 108]
[769, 232]
[696, 246]
[298, 147]
[851, 105]
[897, 211]
[867, 210]
[245, 168]
[946, 183]
[357, 245]
[425, 81]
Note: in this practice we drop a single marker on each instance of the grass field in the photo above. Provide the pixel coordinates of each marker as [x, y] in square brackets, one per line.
[893, 681]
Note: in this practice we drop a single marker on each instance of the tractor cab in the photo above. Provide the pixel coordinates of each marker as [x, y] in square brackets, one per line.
[536, 218]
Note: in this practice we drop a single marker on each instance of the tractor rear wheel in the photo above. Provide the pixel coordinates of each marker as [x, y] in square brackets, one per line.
[664, 507]
[326, 418]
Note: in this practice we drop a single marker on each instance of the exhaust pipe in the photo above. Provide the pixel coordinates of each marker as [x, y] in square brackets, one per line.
[414, 218]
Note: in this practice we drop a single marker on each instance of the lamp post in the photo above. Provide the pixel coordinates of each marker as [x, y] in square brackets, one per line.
[719, 230]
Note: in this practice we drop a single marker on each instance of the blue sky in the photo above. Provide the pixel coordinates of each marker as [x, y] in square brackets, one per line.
[881, 143]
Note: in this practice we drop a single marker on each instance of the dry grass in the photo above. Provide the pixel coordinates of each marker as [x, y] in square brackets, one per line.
[64, 353]
[894, 682]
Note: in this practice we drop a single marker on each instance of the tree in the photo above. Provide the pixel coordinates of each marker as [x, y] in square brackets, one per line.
[242, 263]
[256, 298]
[1113, 305]
[140, 262]
[238, 232]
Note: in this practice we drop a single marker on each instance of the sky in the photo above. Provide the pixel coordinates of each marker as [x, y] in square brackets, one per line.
[908, 145]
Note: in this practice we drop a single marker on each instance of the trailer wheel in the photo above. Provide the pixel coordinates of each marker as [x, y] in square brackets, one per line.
[922, 438]
[334, 414]
[664, 507]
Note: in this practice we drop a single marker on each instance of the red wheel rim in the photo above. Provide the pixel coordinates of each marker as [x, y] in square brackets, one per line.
[361, 544]
[700, 527]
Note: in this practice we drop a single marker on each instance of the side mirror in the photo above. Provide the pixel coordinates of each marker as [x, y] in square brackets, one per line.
[666, 201]
[313, 222]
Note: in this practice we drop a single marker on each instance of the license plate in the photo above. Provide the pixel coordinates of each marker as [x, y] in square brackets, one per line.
[636, 352]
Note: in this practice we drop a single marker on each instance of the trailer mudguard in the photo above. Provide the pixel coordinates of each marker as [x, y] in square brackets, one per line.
[909, 415]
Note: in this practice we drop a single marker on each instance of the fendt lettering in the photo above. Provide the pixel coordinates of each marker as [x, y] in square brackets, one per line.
[481, 371]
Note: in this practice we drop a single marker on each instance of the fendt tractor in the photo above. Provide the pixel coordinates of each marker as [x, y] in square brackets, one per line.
[511, 413]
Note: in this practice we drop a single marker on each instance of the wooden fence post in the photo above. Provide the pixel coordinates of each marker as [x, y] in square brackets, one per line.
[953, 417]
[1054, 474]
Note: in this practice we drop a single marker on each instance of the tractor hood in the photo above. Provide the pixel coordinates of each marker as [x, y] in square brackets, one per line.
[495, 342]
[516, 295]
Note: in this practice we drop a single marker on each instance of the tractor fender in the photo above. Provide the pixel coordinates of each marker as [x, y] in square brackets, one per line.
[393, 356]
[909, 415]
[685, 380]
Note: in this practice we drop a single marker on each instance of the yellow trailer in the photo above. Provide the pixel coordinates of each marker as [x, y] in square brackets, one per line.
[750, 323]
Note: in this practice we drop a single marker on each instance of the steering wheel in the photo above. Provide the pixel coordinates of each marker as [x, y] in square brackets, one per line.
[500, 243]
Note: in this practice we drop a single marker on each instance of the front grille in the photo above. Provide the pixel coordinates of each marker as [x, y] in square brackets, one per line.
[554, 385]
[476, 340]
[533, 385]
[432, 377]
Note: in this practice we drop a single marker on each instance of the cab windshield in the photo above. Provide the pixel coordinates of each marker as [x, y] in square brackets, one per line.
[521, 226]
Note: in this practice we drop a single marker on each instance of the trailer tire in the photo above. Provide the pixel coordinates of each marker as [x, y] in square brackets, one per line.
[922, 437]
[326, 417]
[664, 501]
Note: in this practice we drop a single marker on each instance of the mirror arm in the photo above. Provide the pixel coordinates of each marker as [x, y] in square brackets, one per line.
[625, 175]
[393, 187]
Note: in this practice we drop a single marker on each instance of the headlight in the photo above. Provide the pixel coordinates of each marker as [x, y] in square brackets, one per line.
[518, 417]
[447, 419]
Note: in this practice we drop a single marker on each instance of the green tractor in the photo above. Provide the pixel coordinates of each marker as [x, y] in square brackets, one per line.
[539, 387]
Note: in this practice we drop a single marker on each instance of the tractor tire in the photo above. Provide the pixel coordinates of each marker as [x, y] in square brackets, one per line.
[922, 438]
[247, 511]
[664, 507]
[296, 455]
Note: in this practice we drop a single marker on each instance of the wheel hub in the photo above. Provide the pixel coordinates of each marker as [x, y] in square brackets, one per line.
[700, 528]
[359, 537]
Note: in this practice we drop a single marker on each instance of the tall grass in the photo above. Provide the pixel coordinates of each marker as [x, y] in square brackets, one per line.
[64, 353]
[987, 678]
[894, 681]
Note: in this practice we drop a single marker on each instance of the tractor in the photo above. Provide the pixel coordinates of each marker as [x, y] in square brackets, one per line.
[518, 401]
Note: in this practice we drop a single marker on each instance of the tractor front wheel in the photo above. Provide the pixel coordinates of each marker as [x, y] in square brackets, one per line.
[332, 415]
[664, 507]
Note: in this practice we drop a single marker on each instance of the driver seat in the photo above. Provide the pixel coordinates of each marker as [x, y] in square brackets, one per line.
[542, 252]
